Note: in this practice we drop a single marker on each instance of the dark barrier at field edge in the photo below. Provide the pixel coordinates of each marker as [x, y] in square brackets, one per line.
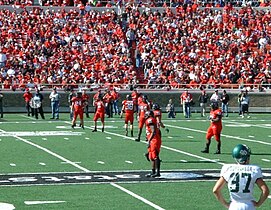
[259, 101]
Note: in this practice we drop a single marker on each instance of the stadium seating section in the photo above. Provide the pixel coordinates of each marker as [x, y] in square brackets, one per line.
[188, 47]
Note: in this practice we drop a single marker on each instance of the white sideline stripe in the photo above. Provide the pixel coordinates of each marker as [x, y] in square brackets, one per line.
[42, 202]
[228, 136]
[137, 196]
[84, 169]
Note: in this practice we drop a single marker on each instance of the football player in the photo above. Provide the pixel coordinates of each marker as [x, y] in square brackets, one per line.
[241, 178]
[99, 113]
[129, 107]
[78, 109]
[215, 128]
[143, 106]
[158, 116]
[154, 143]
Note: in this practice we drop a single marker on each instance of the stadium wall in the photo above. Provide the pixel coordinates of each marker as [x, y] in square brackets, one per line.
[259, 101]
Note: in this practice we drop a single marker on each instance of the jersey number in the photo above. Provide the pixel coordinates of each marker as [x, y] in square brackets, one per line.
[235, 183]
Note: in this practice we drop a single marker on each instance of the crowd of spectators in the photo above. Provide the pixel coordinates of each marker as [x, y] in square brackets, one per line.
[191, 47]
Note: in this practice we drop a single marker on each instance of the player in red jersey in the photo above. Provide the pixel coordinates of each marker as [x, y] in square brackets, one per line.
[154, 143]
[143, 106]
[215, 128]
[129, 107]
[99, 113]
[78, 104]
[158, 116]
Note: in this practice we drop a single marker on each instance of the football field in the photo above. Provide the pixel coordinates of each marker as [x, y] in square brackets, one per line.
[45, 164]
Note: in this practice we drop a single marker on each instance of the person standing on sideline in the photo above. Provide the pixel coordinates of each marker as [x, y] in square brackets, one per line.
[70, 96]
[225, 103]
[1, 105]
[241, 179]
[108, 100]
[203, 98]
[186, 99]
[27, 98]
[153, 135]
[170, 109]
[85, 96]
[129, 108]
[99, 113]
[37, 104]
[116, 97]
[55, 99]
[78, 104]
[215, 128]
[240, 95]
[215, 97]
[245, 104]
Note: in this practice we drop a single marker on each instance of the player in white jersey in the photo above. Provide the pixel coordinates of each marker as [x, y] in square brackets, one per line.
[241, 179]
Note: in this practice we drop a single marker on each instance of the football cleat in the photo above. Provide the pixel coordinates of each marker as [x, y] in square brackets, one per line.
[102, 129]
[95, 130]
[155, 175]
[138, 139]
[73, 126]
[205, 151]
[217, 152]
[149, 175]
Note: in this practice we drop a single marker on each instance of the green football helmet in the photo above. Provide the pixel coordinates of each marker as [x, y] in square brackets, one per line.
[241, 153]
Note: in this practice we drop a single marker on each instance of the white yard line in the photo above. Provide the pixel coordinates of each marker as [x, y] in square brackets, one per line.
[137, 196]
[165, 147]
[85, 170]
[228, 136]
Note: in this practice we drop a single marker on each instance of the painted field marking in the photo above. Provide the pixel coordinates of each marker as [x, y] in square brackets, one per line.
[101, 162]
[266, 160]
[184, 161]
[170, 137]
[269, 196]
[224, 135]
[165, 147]
[12, 164]
[43, 164]
[251, 136]
[137, 196]
[68, 163]
[42, 202]
[6, 206]
[108, 137]
[85, 170]
[190, 137]
[40, 133]
[127, 161]
[66, 138]
[86, 138]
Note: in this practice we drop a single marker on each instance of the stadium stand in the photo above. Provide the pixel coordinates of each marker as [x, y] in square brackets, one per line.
[188, 47]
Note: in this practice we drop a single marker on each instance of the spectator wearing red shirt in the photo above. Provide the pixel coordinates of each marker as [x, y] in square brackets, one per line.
[116, 97]
[27, 98]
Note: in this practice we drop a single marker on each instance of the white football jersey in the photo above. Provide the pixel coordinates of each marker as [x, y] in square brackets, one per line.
[241, 180]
